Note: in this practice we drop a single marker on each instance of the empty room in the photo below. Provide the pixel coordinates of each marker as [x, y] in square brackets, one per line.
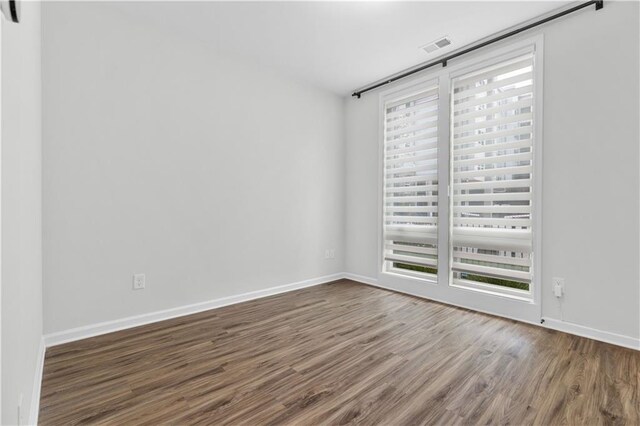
[320, 212]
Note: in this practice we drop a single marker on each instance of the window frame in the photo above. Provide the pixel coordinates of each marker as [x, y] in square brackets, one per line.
[485, 298]
[488, 288]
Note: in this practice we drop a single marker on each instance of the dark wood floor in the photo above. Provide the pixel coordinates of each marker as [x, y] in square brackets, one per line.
[335, 354]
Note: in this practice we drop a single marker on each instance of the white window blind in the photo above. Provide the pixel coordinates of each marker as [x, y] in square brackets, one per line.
[411, 182]
[492, 160]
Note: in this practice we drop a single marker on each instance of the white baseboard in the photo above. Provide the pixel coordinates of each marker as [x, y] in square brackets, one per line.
[92, 330]
[34, 408]
[374, 282]
[121, 324]
[566, 327]
[362, 279]
[592, 333]
[134, 321]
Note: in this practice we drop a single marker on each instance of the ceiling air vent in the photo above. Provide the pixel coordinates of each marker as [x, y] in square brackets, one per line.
[437, 44]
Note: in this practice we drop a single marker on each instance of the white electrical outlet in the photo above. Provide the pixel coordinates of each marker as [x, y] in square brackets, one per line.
[138, 281]
[330, 254]
[558, 286]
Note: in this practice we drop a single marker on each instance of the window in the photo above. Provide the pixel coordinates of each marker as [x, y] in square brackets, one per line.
[459, 162]
[492, 160]
[411, 183]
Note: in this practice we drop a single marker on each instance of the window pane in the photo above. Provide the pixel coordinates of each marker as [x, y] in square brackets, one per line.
[492, 160]
[411, 183]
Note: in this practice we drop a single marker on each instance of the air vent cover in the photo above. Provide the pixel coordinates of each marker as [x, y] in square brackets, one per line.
[436, 44]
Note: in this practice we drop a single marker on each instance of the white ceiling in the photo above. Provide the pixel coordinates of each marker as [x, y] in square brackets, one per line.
[339, 46]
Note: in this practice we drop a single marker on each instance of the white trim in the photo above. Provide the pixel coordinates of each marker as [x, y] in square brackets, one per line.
[445, 147]
[592, 333]
[92, 330]
[34, 409]
[409, 275]
[1, 144]
[511, 293]
[375, 283]
[111, 326]
[538, 146]
[562, 326]
[409, 88]
[79, 333]
[125, 323]
[361, 279]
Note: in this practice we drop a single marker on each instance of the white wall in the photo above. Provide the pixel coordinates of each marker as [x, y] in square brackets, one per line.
[21, 211]
[162, 157]
[158, 151]
[590, 179]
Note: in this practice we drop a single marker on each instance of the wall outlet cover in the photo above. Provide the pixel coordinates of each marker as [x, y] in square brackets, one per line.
[558, 286]
[138, 281]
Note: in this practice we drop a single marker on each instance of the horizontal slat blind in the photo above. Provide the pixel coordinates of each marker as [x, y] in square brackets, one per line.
[411, 182]
[492, 165]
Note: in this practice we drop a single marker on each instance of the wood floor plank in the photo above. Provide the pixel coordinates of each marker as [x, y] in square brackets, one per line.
[340, 353]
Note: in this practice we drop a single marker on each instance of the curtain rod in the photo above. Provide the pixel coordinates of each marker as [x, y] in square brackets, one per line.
[598, 3]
